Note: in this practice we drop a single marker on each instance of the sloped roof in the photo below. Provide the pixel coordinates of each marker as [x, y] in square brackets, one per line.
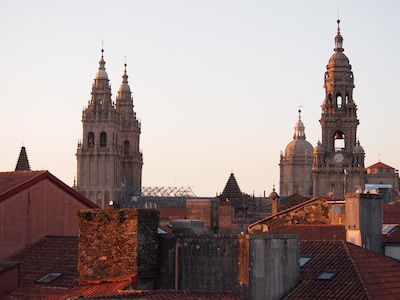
[309, 232]
[379, 165]
[332, 256]
[292, 200]
[361, 273]
[391, 214]
[12, 183]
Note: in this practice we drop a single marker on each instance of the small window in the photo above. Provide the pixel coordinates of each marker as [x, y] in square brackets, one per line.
[103, 139]
[327, 275]
[304, 260]
[50, 277]
[90, 139]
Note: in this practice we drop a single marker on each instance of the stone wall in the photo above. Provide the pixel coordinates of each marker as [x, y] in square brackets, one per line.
[117, 243]
[257, 266]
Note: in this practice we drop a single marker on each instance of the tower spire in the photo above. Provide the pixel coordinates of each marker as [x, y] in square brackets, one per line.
[22, 163]
[338, 39]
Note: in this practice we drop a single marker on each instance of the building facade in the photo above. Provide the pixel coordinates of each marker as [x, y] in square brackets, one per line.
[108, 156]
[338, 165]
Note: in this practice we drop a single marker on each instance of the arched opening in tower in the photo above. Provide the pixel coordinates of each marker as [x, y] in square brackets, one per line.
[339, 141]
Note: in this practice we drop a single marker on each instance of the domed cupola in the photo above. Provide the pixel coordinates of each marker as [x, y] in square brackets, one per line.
[101, 73]
[296, 163]
[319, 149]
[299, 146]
[358, 149]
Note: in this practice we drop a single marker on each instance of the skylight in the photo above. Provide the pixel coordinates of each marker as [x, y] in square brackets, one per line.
[50, 277]
[304, 260]
[327, 275]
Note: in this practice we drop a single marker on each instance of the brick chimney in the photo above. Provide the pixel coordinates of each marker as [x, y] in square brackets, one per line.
[118, 243]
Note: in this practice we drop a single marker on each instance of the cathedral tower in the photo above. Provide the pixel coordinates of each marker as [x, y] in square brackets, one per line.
[108, 156]
[338, 165]
[295, 164]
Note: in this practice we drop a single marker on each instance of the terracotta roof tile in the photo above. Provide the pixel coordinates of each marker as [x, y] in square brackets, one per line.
[12, 183]
[328, 255]
[391, 214]
[379, 165]
[10, 180]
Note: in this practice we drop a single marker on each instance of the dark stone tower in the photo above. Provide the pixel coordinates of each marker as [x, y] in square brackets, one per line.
[338, 165]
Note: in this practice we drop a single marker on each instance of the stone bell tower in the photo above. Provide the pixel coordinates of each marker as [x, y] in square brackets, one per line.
[338, 164]
[108, 156]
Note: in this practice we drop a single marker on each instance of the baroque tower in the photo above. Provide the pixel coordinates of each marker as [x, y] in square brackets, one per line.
[108, 156]
[295, 164]
[338, 165]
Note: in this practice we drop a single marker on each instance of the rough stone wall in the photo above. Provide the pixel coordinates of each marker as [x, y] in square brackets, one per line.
[313, 213]
[117, 243]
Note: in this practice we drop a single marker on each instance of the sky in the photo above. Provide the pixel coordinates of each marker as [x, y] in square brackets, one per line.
[216, 84]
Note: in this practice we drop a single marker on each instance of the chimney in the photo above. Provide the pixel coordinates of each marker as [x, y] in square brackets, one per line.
[275, 201]
[118, 243]
[364, 218]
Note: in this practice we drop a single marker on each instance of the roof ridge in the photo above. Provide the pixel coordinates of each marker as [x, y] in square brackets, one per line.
[356, 269]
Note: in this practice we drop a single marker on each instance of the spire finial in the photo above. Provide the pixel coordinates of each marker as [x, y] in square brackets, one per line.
[338, 39]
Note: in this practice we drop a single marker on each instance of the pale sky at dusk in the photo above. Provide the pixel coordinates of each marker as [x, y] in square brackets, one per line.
[216, 84]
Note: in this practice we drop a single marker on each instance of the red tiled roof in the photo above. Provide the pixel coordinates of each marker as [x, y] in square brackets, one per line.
[391, 214]
[380, 273]
[12, 183]
[393, 237]
[309, 232]
[50, 254]
[362, 274]
[379, 165]
[10, 180]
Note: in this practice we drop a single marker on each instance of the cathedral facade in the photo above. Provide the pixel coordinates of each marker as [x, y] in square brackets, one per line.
[337, 166]
[108, 156]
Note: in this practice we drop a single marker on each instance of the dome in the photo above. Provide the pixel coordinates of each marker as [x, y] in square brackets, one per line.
[319, 148]
[101, 73]
[298, 147]
[358, 149]
[339, 59]
[124, 87]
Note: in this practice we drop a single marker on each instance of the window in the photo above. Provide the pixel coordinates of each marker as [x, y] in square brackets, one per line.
[91, 140]
[327, 275]
[50, 277]
[339, 101]
[304, 260]
[103, 139]
[126, 148]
